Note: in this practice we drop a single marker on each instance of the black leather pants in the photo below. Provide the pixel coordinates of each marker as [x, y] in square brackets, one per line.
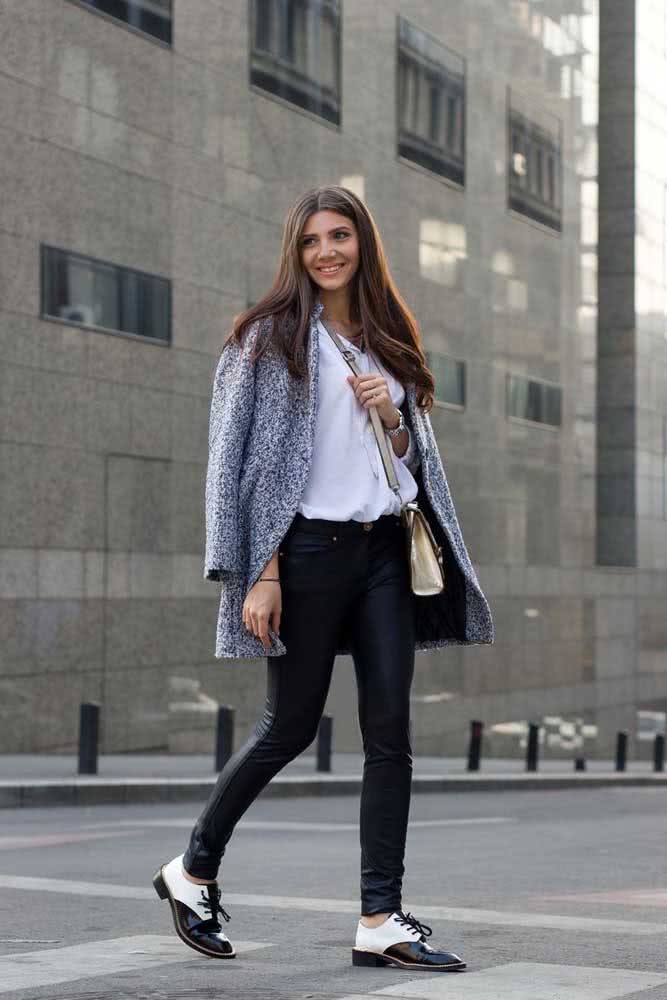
[334, 575]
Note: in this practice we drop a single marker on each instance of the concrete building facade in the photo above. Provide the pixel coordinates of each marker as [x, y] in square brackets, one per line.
[150, 151]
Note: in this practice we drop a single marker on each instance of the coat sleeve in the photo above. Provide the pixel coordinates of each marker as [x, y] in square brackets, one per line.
[231, 412]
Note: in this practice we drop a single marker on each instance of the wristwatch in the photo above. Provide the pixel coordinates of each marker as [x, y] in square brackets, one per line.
[401, 425]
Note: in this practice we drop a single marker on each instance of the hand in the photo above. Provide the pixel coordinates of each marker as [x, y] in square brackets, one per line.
[371, 389]
[263, 602]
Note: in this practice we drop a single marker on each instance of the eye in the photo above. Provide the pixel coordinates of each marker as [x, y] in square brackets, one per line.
[339, 232]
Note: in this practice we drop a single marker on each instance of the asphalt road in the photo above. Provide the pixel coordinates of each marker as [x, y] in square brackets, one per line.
[555, 895]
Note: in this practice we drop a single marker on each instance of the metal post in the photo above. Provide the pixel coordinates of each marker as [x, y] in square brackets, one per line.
[324, 739]
[621, 750]
[531, 750]
[89, 728]
[224, 736]
[580, 761]
[475, 744]
[659, 752]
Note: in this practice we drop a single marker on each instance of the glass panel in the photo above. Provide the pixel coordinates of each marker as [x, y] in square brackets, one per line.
[93, 293]
[264, 24]
[296, 52]
[534, 166]
[533, 400]
[449, 376]
[431, 93]
[153, 17]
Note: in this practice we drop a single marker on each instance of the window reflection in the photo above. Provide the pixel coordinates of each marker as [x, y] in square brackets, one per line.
[509, 292]
[533, 399]
[153, 17]
[88, 292]
[431, 103]
[534, 164]
[295, 52]
[442, 250]
[449, 375]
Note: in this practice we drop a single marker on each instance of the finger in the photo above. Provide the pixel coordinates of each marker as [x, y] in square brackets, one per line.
[378, 400]
[373, 393]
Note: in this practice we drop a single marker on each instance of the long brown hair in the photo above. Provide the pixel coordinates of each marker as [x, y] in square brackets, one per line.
[391, 330]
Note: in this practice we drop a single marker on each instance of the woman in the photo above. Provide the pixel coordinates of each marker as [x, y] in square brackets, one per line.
[304, 534]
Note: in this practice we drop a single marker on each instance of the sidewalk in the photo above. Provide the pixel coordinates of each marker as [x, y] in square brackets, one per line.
[51, 780]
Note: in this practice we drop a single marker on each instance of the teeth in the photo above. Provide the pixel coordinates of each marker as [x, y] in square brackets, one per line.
[330, 270]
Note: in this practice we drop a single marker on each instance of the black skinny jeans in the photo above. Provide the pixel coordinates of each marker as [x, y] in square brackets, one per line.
[333, 574]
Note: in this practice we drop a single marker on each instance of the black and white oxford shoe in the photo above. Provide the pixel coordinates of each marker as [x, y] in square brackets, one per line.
[401, 941]
[195, 909]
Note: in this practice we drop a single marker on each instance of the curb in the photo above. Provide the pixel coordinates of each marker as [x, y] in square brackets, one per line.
[95, 791]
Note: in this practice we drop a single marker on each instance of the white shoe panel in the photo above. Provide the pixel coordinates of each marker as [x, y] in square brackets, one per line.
[388, 933]
[182, 889]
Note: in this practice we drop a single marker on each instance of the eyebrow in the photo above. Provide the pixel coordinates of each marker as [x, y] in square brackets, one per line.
[335, 229]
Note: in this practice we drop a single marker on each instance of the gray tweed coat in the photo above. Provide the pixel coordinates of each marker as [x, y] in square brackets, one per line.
[261, 431]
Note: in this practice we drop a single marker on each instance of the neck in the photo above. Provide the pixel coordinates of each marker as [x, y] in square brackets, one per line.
[336, 305]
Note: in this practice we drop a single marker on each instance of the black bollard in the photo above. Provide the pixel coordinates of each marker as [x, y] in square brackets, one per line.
[659, 752]
[475, 744]
[621, 750]
[324, 743]
[580, 761]
[224, 736]
[531, 749]
[89, 728]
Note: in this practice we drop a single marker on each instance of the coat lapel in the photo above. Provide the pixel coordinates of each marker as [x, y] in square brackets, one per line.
[313, 352]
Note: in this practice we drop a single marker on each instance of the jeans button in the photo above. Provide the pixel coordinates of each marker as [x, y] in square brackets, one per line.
[368, 525]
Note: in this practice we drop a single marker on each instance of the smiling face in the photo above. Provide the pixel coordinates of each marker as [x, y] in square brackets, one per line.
[329, 249]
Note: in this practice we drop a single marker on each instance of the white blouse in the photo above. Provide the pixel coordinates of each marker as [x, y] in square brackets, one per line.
[347, 480]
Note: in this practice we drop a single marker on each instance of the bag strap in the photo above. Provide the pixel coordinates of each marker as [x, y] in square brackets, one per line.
[373, 415]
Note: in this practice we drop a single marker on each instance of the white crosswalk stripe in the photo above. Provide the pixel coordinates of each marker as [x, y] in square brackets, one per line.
[32, 969]
[458, 914]
[524, 981]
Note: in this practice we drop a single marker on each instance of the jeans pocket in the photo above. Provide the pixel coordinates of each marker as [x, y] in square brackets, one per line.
[307, 543]
[308, 561]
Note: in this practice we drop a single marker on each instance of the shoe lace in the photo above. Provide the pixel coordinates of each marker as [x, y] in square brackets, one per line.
[411, 921]
[210, 902]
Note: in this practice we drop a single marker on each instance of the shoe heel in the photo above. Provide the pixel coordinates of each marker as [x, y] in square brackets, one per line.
[367, 958]
[159, 885]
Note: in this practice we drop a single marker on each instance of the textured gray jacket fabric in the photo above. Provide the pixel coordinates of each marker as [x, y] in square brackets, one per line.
[261, 435]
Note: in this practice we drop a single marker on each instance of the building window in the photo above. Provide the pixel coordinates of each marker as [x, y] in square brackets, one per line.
[152, 17]
[534, 168]
[449, 376]
[534, 400]
[295, 53]
[430, 103]
[84, 291]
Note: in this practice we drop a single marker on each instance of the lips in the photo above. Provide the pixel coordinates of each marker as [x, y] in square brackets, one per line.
[330, 268]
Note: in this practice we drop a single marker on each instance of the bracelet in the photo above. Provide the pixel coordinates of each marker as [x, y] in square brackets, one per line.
[269, 579]
[400, 426]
